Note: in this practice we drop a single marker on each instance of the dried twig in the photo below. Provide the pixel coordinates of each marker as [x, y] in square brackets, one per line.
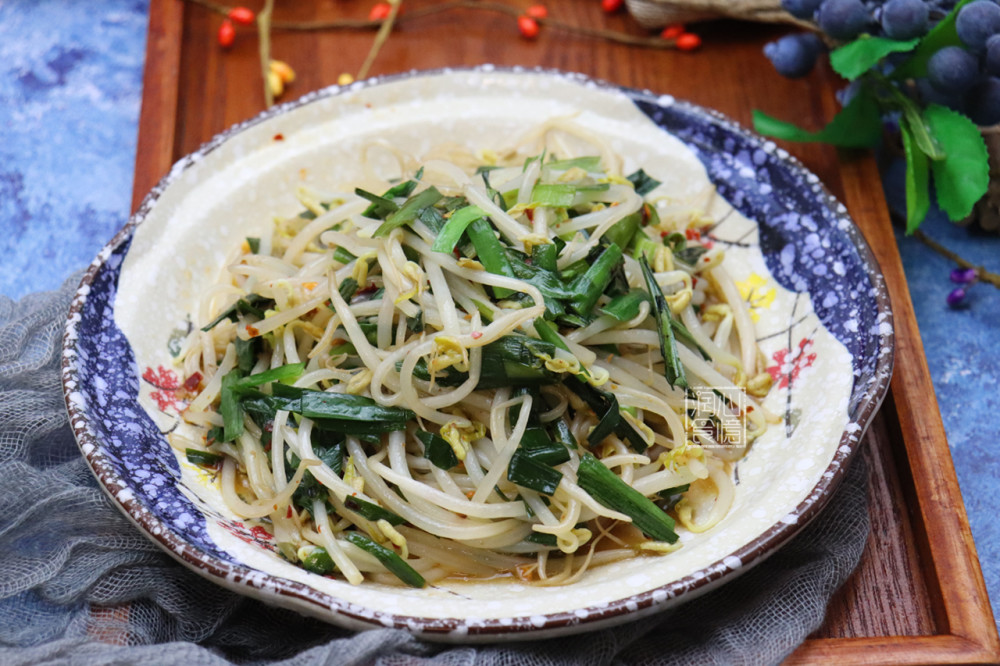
[982, 274]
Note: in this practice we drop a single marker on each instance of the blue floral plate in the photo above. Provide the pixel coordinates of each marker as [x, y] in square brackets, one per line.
[818, 299]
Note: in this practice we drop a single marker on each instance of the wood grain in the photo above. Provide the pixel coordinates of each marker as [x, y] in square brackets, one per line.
[918, 595]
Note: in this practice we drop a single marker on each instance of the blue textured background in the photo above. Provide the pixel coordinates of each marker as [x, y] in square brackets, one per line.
[70, 88]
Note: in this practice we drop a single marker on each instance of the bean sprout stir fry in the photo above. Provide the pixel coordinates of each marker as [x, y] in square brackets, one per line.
[488, 367]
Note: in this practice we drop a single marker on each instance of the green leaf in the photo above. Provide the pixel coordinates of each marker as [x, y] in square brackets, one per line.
[941, 35]
[961, 178]
[921, 134]
[854, 59]
[857, 125]
[917, 180]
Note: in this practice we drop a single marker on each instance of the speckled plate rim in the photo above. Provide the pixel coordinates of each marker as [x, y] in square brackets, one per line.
[305, 599]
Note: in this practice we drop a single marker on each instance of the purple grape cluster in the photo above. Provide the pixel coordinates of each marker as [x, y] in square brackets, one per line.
[964, 77]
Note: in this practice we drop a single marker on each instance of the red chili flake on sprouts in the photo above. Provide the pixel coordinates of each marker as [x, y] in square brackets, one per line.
[191, 383]
[242, 15]
[288, 514]
[673, 31]
[611, 6]
[527, 26]
[369, 288]
[380, 11]
[688, 41]
[537, 12]
[227, 34]
[476, 335]
[252, 331]
[692, 234]
[279, 137]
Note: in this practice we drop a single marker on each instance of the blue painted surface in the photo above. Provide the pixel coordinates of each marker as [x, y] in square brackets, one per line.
[70, 85]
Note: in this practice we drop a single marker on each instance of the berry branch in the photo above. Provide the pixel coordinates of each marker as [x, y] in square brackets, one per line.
[494, 7]
[981, 273]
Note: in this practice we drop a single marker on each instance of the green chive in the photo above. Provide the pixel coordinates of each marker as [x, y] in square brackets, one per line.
[230, 408]
[673, 370]
[342, 255]
[318, 561]
[490, 253]
[348, 288]
[372, 512]
[409, 211]
[625, 306]
[455, 227]
[609, 490]
[589, 286]
[643, 182]
[542, 539]
[246, 305]
[390, 560]
[203, 458]
[437, 450]
[529, 472]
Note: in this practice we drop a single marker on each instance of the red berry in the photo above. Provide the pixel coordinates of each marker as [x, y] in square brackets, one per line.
[611, 6]
[242, 15]
[380, 11]
[538, 12]
[528, 27]
[688, 41]
[673, 31]
[227, 34]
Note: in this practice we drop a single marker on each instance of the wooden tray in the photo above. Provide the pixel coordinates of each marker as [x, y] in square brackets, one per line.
[918, 596]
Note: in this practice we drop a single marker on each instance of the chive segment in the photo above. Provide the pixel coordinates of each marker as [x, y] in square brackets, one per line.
[626, 306]
[456, 225]
[643, 182]
[243, 306]
[371, 511]
[530, 472]
[589, 286]
[318, 561]
[673, 369]
[437, 450]
[409, 211]
[490, 253]
[390, 560]
[203, 458]
[609, 490]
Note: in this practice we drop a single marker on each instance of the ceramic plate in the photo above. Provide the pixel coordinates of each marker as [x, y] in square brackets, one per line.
[820, 305]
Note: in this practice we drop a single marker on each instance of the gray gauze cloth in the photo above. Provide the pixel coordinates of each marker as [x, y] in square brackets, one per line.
[79, 584]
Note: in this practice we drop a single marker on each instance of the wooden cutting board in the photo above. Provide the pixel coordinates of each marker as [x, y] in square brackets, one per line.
[918, 596]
